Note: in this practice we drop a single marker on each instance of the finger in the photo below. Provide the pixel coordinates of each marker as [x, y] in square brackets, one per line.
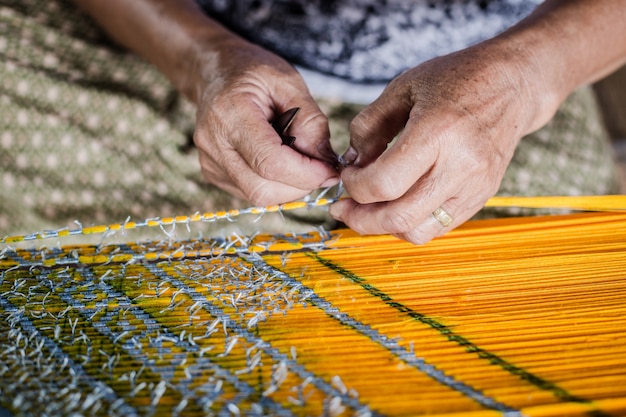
[382, 218]
[311, 130]
[397, 216]
[310, 127]
[241, 181]
[276, 162]
[413, 217]
[445, 217]
[375, 126]
[262, 150]
[420, 148]
[414, 224]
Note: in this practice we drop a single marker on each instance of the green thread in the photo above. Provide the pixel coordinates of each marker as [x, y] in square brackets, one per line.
[444, 330]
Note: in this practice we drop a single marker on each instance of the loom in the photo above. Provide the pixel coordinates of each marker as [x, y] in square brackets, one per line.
[506, 317]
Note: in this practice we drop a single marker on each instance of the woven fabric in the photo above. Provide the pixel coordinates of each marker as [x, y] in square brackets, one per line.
[502, 317]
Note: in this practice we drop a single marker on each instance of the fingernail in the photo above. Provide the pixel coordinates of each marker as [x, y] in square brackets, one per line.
[327, 152]
[330, 182]
[348, 157]
[335, 213]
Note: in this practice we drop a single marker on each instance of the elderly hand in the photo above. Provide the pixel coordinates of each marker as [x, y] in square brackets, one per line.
[242, 90]
[459, 119]
[239, 88]
[460, 116]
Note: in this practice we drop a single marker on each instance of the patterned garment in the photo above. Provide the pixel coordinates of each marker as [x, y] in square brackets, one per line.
[92, 133]
[367, 40]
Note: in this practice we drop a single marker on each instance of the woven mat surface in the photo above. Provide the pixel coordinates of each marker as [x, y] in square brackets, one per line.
[504, 317]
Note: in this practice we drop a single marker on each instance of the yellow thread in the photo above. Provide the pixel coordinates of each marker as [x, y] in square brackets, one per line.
[546, 295]
[95, 229]
[589, 203]
[585, 203]
[50, 262]
[130, 225]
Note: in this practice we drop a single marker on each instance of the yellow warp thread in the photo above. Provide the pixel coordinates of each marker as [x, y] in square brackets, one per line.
[585, 203]
[516, 316]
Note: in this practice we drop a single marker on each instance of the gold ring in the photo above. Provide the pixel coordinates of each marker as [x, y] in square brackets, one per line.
[443, 217]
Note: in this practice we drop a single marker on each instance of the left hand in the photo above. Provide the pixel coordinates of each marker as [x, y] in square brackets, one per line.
[460, 118]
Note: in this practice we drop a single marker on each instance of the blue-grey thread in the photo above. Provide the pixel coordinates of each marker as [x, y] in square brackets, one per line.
[389, 344]
[109, 394]
[206, 218]
[244, 388]
[67, 297]
[274, 353]
[63, 259]
[344, 319]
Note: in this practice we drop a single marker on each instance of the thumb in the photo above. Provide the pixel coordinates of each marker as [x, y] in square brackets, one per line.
[311, 132]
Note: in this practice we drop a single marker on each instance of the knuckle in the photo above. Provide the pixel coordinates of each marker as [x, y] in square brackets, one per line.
[319, 121]
[386, 188]
[400, 222]
[356, 225]
[473, 161]
[359, 126]
[263, 164]
[480, 167]
[415, 238]
[261, 196]
[362, 128]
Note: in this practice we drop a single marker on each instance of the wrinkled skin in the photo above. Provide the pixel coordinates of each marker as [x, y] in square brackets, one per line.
[239, 89]
[239, 150]
[458, 120]
[460, 117]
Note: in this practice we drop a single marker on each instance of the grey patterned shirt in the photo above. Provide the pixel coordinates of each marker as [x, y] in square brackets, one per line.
[366, 41]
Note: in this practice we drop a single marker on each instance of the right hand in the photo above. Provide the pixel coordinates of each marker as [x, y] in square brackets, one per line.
[239, 88]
